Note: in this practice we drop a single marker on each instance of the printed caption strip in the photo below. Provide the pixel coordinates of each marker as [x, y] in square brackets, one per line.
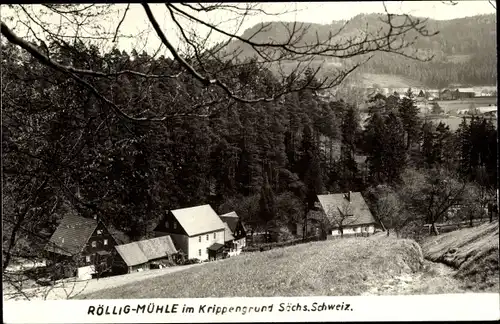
[451, 307]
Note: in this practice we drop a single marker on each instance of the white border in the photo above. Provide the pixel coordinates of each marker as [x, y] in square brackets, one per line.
[451, 307]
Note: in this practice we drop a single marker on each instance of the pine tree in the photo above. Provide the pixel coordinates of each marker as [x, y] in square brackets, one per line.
[267, 203]
[408, 112]
[374, 147]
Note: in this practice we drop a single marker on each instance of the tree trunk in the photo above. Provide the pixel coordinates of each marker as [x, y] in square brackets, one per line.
[434, 229]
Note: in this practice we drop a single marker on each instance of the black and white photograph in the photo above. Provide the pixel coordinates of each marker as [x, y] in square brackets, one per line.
[274, 149]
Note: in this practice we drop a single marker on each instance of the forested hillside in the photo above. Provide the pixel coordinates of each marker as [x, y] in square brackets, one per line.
[464, 49]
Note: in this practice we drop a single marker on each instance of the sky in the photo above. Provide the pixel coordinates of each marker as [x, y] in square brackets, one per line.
[316, 12]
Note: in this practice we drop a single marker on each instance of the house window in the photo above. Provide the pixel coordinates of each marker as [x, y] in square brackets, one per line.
[207, 237]
[99, 232]
[105, 242]
[215, 235]
[94, 244]
[199, 252]
[87, 258]
[175, 225]
[166, 225]
[199, 238]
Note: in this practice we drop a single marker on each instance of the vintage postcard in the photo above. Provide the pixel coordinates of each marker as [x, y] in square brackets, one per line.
[247, 162]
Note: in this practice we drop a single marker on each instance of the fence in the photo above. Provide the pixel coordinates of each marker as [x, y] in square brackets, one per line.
[269, 246]
[455, 226]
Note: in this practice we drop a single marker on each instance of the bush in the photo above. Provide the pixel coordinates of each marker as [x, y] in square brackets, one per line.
[191, 261]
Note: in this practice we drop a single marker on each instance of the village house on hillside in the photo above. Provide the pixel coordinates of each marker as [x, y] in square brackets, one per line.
[348, 214]
[238, 231]
[197, 231]
[145, 254]
[84, 241]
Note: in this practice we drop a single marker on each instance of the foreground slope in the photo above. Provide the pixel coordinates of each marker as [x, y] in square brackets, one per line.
[472, 251]
[338, 267]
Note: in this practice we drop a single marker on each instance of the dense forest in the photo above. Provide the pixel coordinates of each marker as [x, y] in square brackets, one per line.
[464, 49]
[268, 161]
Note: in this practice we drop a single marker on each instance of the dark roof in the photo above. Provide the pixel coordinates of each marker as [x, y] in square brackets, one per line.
[228, 234]
[231, 219]
[71, 235]
[215, 247]
[333, 204]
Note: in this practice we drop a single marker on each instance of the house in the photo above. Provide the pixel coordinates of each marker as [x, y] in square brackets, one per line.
[447, 94]
[347, 214]
[142, 255]
[86, 243]
[197, 231]
[133, 257]
[238, 231]
[465, 94]
[228, 240]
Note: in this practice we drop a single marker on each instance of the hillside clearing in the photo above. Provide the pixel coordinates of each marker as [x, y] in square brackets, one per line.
[472, 251]
[390, 81]
[338, 267]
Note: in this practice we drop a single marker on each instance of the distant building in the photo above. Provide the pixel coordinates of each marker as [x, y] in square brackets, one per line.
[464, 94]
[348, 214]
[86, 243]
[197, 231]
[447, 94]
[237, 230]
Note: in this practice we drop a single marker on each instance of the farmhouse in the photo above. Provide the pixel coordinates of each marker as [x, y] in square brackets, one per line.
[83, 242]
[197, 231]
[142, 255]
[238, 231]
[447, 94]
[348, 214]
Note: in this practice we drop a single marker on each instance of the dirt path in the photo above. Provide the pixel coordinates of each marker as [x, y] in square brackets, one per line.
[73, 288]
[434, 278]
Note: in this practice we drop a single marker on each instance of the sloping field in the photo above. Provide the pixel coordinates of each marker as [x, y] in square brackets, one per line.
[338, 267]
[472, 251]
[390, 81]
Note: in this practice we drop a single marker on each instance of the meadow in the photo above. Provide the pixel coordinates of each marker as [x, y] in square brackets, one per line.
[348, 267]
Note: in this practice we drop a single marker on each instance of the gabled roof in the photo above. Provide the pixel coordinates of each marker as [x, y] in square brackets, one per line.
[131, 253]
[228, 234]
[231, 219]
[332, 204]
[158, 247]
[71, 235]
[198, 220]
[146, 250]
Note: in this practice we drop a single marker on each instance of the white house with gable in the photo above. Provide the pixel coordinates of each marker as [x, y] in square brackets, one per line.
[197, 231]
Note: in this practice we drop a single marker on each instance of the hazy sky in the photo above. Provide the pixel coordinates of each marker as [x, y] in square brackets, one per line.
[316, 12]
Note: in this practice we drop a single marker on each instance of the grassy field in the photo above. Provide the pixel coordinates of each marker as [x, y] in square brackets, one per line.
[390, 81]
[339, 267]
[472, 251]
[451, 106]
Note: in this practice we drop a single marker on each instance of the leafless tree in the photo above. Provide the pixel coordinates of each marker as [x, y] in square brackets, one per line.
[389, 209]
[195, 55]
[431, 195]
[341, 216]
